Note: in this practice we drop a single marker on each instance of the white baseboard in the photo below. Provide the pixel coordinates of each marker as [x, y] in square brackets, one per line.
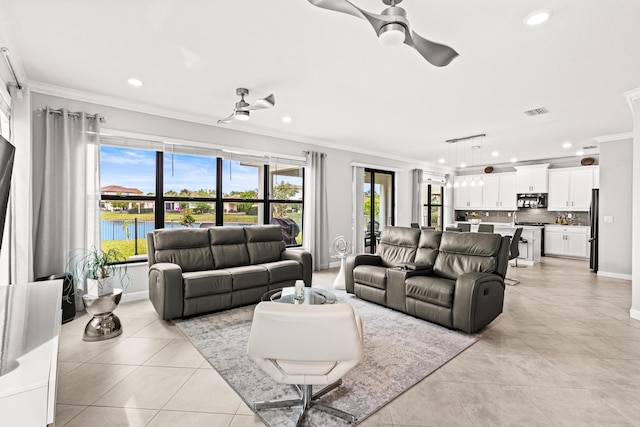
[614, 275]
[334, 264]
[635, 314]
[134, 296]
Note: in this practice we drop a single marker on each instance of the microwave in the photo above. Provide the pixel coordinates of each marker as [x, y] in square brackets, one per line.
[532, 200]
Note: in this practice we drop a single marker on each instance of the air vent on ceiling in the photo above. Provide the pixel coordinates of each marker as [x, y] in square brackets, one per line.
[589, 147]
[536, 111]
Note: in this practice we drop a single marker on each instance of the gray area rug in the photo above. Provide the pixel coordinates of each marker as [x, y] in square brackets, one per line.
[400, 350]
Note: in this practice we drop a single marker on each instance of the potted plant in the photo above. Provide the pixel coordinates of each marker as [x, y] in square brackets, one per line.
[99, 270]
[475, 218]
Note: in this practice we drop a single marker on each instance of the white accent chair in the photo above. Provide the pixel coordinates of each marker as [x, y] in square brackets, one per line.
[306, 345]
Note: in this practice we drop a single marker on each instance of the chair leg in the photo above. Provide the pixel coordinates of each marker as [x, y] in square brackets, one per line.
[307, 400]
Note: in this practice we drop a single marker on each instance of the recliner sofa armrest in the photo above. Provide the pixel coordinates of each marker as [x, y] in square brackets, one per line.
[353, 262]
[304, 258]
[418, 267]
[166, 289]
[477, 300]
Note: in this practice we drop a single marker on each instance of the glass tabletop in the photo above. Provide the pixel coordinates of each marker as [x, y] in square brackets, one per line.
[311, 296]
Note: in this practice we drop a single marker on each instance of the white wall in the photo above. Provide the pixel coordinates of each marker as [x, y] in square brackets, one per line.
[616, 173]
[339, 177]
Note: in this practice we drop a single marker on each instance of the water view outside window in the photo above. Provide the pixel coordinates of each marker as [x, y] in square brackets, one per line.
[188, 195]
[127, 208]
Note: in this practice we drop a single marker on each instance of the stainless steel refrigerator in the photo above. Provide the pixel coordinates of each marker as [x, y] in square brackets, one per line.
[593, 237]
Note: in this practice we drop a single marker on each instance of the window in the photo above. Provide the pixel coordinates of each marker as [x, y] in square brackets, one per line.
[286, 195]
[432, 215]
[143, 189]
[127, 206]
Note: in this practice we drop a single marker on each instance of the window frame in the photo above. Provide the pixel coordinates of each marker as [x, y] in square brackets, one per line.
[430, 206]
[160, 199]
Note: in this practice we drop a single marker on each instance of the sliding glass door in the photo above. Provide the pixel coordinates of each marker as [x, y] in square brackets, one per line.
[379, 205]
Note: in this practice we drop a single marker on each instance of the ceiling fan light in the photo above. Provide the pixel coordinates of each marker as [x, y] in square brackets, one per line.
[242, 115]
[391, 35]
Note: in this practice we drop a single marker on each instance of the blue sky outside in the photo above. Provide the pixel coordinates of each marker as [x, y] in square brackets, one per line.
[136, 169]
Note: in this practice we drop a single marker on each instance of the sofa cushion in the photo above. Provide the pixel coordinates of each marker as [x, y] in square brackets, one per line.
[248, 276]
[283, 271]
[467, 252]
[398, 245]
[189, 248]
[371, 275]
[434, 290]
[428, 247]
[201, 283]
[228, 247]
[264, 243]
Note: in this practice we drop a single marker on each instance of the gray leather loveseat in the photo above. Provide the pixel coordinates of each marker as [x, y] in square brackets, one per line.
[194, 271]
[452, 279]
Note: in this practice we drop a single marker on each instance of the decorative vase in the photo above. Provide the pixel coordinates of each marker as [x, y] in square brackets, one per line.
[475, 221]
[99, 287]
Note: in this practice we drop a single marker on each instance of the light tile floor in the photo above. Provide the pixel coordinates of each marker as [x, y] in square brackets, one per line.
[564, 352]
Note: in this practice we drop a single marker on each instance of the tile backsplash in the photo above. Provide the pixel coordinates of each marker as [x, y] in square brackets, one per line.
[528, 215]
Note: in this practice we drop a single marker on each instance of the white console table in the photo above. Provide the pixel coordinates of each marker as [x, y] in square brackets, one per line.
[30, 317]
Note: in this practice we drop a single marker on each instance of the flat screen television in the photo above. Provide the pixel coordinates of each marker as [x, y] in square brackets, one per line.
[7, 153]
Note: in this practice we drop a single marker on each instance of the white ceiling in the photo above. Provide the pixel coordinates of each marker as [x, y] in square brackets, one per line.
[329, 73]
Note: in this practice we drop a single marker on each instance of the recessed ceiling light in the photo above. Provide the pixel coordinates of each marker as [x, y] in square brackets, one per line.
[463, 165]
[441, 160]
[495, 154]
[513, 160]
[286, 119]
[537, 17]
[567, 145]
[579, 153]
[134, 82]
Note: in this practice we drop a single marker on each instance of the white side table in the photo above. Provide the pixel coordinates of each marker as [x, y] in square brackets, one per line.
[104, 324]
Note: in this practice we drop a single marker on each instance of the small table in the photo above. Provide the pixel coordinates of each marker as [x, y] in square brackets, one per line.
[104, 324]
[311, 296]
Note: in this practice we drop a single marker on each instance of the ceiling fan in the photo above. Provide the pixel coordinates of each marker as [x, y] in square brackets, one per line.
[243, 109]
[392, 28]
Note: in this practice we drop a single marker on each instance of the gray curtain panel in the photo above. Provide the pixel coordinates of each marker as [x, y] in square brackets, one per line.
[66, 197]
[316, 214]
[416, 202]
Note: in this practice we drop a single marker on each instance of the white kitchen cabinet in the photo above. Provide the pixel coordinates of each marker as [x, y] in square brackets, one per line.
[468, 194]
[570, 241]
[499, 192]
[532, 178]
[570, 189]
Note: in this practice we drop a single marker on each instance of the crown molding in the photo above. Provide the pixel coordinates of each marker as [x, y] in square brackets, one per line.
[114, 102]
[632, 96]
[614, 137]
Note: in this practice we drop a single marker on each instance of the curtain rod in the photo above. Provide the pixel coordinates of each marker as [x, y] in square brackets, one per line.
[76, 114]
[5, 52]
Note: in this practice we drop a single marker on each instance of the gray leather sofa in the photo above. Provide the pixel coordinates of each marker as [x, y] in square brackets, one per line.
[194, 271]
[452, 279]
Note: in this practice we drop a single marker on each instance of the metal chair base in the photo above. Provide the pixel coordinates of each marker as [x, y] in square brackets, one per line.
[306, 401]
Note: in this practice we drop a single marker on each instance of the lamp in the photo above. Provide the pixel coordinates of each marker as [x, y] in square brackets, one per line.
[391, 35]
[463, 164]
[242, 115]
[394, 33]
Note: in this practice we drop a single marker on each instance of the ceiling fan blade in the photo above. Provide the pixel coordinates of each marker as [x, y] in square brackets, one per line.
[259, 104]
[436, 53]
[345, 6]
[228, 119]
